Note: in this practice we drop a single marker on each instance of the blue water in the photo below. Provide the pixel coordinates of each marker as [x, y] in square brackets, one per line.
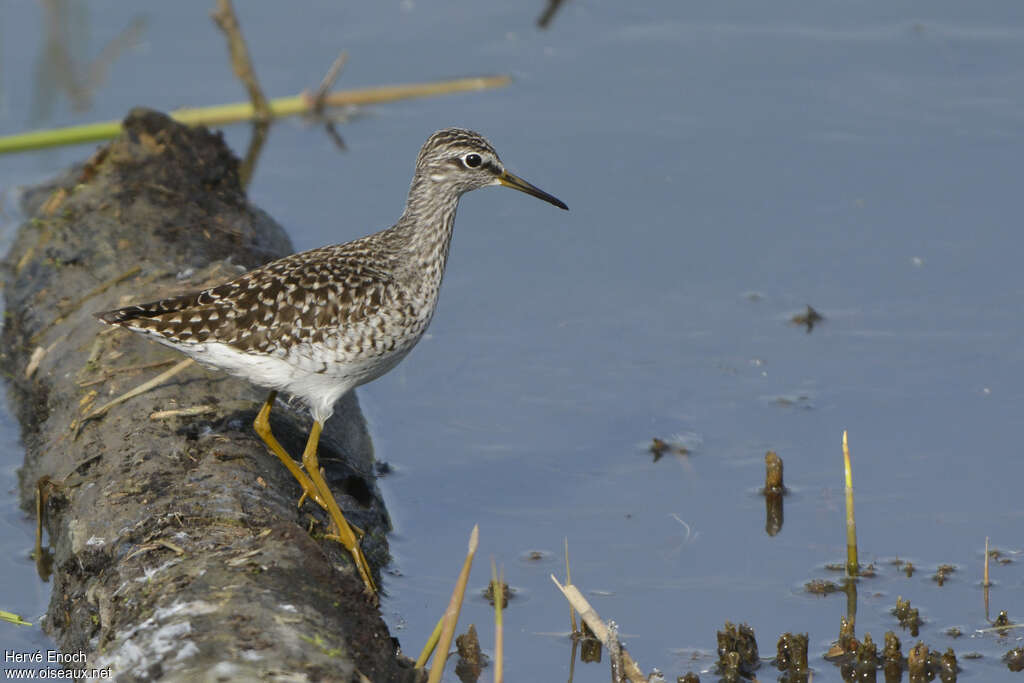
[725, 164]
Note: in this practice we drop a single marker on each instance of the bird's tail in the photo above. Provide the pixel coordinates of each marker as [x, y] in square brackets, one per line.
[124, 316]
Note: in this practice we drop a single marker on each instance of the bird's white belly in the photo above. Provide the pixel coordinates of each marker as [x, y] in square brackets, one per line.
[305, 372]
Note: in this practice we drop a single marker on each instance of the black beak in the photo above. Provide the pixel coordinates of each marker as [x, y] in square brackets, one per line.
[516, 183]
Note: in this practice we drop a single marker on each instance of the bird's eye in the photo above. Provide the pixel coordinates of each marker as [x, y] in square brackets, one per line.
[472, 160]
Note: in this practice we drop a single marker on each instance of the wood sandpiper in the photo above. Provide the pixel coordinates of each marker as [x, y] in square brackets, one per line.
[319, 323]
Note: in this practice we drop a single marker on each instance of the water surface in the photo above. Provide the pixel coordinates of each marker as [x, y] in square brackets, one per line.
[725, 166]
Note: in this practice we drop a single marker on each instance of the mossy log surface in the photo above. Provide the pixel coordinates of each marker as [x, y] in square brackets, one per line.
[178, 550]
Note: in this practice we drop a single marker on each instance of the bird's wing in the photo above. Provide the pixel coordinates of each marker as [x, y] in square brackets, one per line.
[293, 300]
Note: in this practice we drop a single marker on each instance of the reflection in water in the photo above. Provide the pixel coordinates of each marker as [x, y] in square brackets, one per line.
[587, 645]
[49, 492]
[43, 556]
[737, 652]
[590, 646]
[858, 660]
[63, 65]
[850, 588]
[773, 513]
[225, 19]
[791, 657]
[471, 660]
[319, 109]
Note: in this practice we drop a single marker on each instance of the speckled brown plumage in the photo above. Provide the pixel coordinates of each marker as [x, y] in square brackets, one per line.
[301, 299]
[321, 322]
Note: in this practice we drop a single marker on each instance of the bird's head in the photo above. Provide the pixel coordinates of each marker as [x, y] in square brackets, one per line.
[462, 160]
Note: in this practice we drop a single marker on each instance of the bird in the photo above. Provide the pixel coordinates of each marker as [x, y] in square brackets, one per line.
[319, 323]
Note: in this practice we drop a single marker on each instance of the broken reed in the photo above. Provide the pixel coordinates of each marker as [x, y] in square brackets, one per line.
[497, 590]
[451, 615]
[244, 111]
[601, 630]
[773, 473]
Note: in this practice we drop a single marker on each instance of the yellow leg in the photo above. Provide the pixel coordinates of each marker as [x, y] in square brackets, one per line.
[345, 535]
[262, 427]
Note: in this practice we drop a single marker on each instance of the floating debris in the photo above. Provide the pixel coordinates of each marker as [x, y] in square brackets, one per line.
[948, 667]
[892, 658]
[847, 643]
[809, 318]
[791, 653]
[908, 616]
[737, 651]
[1002, 623]
[942, 573]
[917, 662]
[506, 593]
[659, 448]
[921, 664]
[866, 660]
[730, 668]
[1015, 659]
[1000, 556]
[821, 587]
[802, 401]
[471, 659]
[590, 646]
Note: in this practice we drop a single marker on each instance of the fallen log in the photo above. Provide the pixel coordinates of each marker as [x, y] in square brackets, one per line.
[179, 552]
